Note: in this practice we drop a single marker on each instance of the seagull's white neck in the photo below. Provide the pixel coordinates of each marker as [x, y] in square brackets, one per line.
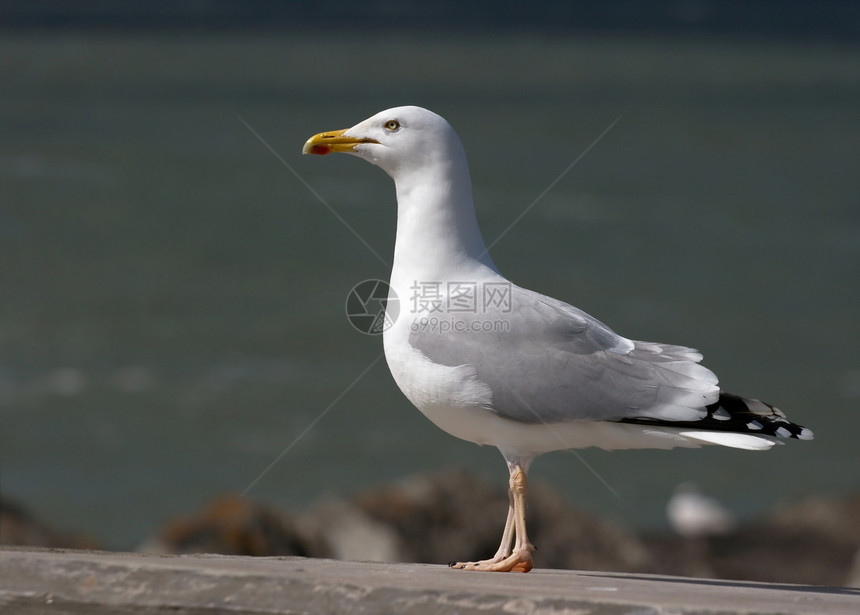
[437, 231]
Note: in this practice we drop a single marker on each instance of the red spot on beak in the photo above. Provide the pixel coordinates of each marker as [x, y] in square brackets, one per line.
[320, 149]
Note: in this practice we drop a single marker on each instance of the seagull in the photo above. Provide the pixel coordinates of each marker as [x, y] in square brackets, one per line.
[496, 364]
[694, 514]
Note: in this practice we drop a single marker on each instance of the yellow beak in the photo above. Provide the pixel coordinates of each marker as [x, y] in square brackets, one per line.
[332, 141]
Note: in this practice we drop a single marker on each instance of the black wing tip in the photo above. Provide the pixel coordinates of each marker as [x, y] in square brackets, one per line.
[805, 434]
[747, 415]
[733, 413]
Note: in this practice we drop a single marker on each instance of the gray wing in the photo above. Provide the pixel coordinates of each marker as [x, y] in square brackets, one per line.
[547, 362]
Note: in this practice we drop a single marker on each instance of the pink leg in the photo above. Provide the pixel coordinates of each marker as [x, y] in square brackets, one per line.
[518, 559]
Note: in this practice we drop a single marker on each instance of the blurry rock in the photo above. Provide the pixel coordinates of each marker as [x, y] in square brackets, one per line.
[834, 518]
[440, 517]
[453, 516]
[229, 525]
[572, 539]
[853, 577]
[340, 530]
[19, 527]
[812, 541]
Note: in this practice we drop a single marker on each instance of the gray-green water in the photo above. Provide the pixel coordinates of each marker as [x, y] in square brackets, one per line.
[172, 312]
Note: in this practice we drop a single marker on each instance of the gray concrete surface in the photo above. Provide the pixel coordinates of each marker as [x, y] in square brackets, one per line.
[75, 582]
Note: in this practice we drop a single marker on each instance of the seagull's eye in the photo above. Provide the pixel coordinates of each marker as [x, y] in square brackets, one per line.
[392, 125]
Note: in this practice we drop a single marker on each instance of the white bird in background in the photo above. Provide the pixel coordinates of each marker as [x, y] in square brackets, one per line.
[693, 514]
[494, 363]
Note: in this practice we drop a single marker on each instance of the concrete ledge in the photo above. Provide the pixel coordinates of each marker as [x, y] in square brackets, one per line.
[77, 582]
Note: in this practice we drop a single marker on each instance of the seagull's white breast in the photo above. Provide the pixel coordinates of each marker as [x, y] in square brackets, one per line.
[453, 398]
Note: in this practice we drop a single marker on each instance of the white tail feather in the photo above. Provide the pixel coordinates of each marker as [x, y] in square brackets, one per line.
[734, 440]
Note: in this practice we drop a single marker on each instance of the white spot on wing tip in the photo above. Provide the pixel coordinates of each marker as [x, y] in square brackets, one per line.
[806, 434]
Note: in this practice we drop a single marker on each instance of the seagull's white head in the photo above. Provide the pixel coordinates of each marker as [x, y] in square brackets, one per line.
[436, 224]
[401, 140]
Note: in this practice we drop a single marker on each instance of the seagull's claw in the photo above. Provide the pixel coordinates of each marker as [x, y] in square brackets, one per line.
[518, 561]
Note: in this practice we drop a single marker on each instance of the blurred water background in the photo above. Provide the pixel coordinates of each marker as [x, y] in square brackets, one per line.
[172, 296]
